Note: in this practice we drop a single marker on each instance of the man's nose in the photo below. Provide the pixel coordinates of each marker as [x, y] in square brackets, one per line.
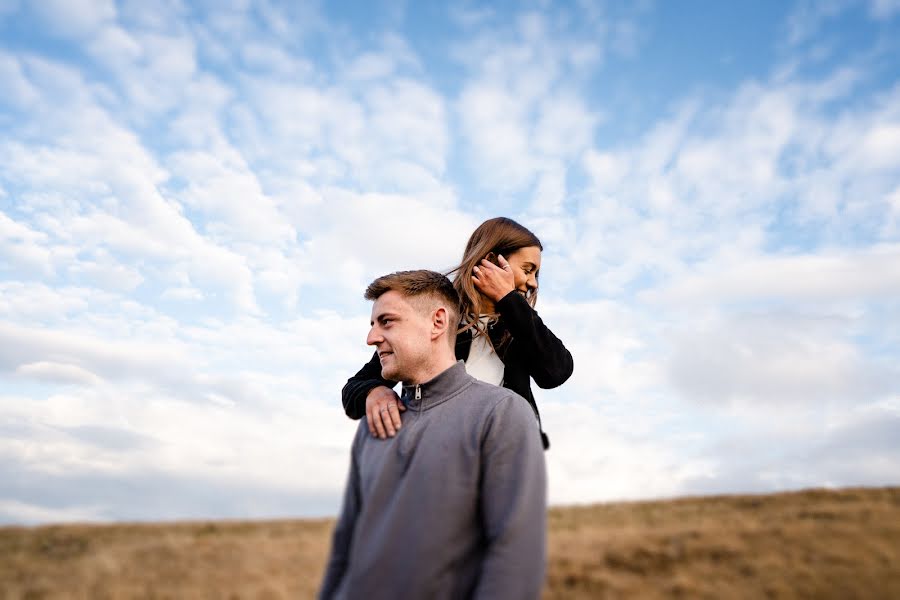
[374, 337]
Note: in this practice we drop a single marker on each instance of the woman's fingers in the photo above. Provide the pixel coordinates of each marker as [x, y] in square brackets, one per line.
[501, 270]
[383, 412]
[387, 422]
[493, 281]
[393, 417]
[380, 423]
[389, 415]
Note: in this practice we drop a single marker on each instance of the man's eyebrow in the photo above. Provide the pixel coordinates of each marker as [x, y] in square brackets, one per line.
[381, 316]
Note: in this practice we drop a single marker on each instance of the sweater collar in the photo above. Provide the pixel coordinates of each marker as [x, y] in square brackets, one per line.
[440, 388]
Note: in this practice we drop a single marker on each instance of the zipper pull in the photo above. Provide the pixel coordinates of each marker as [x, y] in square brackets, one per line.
[418, 392]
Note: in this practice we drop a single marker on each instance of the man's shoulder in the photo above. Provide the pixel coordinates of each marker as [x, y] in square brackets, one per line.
[489, 391]
[495, 398]
[362, 434]
[506, 419]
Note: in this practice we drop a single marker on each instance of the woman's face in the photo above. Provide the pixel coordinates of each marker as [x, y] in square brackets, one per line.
[525, 263]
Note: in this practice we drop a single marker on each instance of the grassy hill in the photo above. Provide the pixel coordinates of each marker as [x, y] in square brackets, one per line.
[810, 544]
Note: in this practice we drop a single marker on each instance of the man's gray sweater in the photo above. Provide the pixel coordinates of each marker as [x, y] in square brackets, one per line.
[453, 506]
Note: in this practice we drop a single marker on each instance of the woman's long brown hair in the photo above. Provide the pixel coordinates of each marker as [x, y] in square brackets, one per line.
[500, 236]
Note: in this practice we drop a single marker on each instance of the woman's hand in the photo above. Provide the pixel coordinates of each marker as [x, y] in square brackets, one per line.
[383, 407]
[493, 281]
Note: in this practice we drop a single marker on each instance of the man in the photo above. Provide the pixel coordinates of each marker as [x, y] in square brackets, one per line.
[453, 506]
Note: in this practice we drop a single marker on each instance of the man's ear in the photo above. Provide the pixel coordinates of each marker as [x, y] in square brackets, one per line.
[439, 322]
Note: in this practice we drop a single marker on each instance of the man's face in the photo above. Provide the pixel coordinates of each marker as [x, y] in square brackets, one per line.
[401, 333]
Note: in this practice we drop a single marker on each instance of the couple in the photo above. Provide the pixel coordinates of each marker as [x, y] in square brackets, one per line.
[446, 496]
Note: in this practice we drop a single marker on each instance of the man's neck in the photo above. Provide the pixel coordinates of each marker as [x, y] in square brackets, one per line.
[432, 370]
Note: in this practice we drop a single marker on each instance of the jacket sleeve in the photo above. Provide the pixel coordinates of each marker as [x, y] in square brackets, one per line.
[342, 538]
[358, 387]
[549, 363]
[513, 498]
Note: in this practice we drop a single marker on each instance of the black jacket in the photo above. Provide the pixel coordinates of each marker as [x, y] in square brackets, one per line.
[532, 352]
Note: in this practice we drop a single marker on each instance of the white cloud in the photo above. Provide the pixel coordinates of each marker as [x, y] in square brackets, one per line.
[193, 204]
[115, 47]
[167, 408]
[592, 458]
[521, 108]
[163, 362]
[773, 360]
[390, 136]
[182, 293]
[259, 56]
[606, 169]
[107, 275]
[408, 119]
[57, 373]
[8, 7]
[869, 274]
[884, 9]
[494, 123]
[564, 127]
[354, 238]
[104, 159]
[16, 89]
[881, 146]
[815, 450]
[151, 69]
[808, 16]
[75, 18]
[609, 343]
[161, 15]
[28, 302]
[310, 118]
[221, 186]
[12, 511]
[390, 59]
[471, 16]
[23, 247]
[370, 66]
[708, 180]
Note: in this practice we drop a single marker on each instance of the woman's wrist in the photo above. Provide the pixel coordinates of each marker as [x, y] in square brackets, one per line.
[506, 296]
[501, 295]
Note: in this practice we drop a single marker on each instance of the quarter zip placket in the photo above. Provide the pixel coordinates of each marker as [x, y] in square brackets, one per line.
[416, 395]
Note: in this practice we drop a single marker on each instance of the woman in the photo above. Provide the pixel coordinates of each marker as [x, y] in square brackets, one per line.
[501, 338]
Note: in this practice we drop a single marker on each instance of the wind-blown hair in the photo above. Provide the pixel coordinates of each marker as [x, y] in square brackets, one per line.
[499, 235]
[424, 289]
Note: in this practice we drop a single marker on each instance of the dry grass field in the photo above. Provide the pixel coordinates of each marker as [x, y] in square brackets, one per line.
[812, 544]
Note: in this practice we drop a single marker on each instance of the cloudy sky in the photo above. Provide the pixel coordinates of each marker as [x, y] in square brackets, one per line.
[193, 198]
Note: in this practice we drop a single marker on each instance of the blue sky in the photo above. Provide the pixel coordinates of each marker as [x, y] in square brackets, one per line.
[192, 199]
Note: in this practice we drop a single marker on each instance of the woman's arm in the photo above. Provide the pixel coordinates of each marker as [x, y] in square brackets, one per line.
[550, 364]
[358, 387]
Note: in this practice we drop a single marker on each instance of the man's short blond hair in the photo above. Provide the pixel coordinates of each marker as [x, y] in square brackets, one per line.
[426, 289]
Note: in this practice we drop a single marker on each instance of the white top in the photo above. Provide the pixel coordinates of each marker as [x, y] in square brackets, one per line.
[483, 363]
